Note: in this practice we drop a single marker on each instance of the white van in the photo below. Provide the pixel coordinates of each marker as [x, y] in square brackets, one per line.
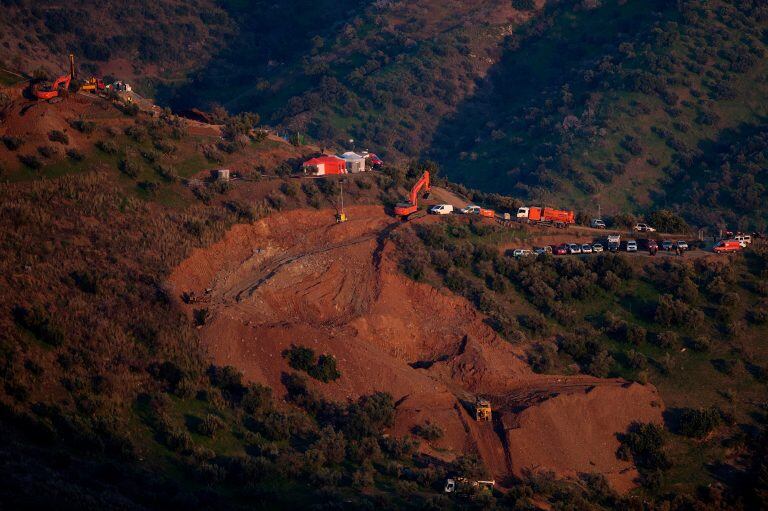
[441, 209]
[743, 239]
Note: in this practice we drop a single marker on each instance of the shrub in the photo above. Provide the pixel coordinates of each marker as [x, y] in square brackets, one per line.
[129, 167]
[210, 425]
[83, 126]
[12, 143]
[75, 155]
[37, 321]
[107, 146]
[325, 369]
[46, 151]
[31, 161]
[666, 339]
[303, 359]
[300, 357]
[58, 136]
[698, 423]
[428, 431]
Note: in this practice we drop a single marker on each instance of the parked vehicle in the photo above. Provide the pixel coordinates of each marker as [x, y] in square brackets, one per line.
[682, 245]
[744, 239]
[725, 246]
[574, 248]
[644, 228]
[597, 248]
[652, 245]
[472, 209]
[542, 250]
[597, 223]
[614, 238]
[556, 217]
[521, 252]
[441, 209]
[631, 246]
[586, 248]
[560, 249]
[666, 245]
[613, 247]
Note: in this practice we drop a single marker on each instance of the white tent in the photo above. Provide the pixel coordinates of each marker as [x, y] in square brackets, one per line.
[355, 162]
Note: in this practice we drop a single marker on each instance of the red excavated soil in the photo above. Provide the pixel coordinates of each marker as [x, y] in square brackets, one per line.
[300, 278]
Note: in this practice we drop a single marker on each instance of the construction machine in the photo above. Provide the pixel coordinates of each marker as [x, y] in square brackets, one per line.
[59, 87]
[410, 209]
[93, 85]
[482, 410]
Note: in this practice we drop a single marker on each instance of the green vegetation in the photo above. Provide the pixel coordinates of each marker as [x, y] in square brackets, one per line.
[321, 368]
[683, 325]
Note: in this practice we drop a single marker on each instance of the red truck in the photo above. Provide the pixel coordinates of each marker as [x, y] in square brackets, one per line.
[557, 217]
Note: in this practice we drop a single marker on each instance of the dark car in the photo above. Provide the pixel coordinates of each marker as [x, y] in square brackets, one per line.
[652, 245]
[666, 245]
[560, 250]
[613, 247]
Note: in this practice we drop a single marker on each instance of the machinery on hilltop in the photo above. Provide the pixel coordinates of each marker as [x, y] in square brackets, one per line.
[410, 209]
[57, 88]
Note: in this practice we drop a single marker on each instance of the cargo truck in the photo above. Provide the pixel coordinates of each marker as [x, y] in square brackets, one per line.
[548, 216]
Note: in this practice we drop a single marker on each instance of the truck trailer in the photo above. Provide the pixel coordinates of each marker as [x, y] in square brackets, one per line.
[547, 216]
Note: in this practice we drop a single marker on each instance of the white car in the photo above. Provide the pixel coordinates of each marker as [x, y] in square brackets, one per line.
[441, 209]
[631, 246]
[470, 210]
[682, 245]
[542, 250]
[521, 252]
[586, 248]
[573, 248]
[644, 228]
[597, 247]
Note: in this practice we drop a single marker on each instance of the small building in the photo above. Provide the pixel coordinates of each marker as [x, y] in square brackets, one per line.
[221, 174]
[355, 162]
[325, 165]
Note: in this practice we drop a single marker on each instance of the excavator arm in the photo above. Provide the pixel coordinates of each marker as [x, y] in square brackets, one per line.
[408, 208]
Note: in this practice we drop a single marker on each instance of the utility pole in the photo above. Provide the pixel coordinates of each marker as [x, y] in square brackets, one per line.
[341, 216]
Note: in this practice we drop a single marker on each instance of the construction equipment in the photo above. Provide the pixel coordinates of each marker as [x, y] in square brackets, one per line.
[546, 216]
[482, 410]
[93, 85]
[463, 486]
[59, 87]
[409, 209]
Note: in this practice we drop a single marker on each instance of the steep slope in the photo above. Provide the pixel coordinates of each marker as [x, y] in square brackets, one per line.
[133, 40]
[610, 104]
[383, 74]
[301, 279]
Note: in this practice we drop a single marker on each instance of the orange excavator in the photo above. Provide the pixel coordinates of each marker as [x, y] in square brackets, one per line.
[410, 209]
[48, 90]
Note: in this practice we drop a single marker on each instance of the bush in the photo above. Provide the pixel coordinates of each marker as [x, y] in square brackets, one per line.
[46, 151]
[698, 423]
[107, 146]
[83, 126]
[210, 425]
[12, 143]
[129, 167]
[325, 369]
[303, 359]
[58, 136]
[31, 161]
[75, 155]
[428, 431]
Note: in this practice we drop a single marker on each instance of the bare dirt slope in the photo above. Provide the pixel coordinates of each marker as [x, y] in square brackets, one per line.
[299, 278]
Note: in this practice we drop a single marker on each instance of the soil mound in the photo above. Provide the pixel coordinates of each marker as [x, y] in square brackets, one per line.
[300, 278]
